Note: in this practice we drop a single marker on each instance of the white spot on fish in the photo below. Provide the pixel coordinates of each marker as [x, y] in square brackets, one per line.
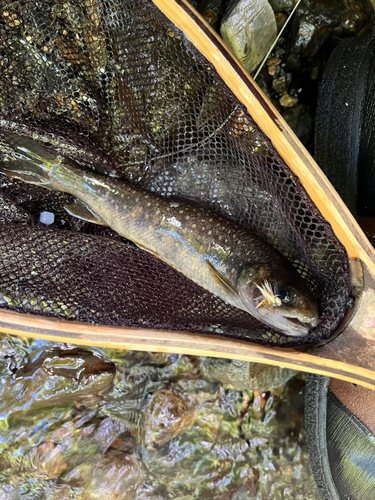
[174, 221]
[157, 211]
[194, 226]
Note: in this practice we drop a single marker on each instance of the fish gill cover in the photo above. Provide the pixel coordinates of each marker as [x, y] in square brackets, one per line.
[116, 87]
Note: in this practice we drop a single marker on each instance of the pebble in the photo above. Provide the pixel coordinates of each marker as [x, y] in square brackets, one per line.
[288, 101]
[273, 61]
[272, 70]
[280, 20]
[280, 84]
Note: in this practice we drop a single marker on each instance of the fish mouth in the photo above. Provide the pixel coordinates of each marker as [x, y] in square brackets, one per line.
[296, 328]
[290, 326]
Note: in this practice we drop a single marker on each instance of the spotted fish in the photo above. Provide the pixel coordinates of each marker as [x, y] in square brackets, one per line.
[217, 253]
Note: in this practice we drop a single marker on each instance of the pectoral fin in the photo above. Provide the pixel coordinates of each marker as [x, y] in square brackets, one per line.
[80, 210]
[147, 250]
[219, 278]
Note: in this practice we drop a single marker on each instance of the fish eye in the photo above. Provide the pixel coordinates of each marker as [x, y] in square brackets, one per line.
[284, 295]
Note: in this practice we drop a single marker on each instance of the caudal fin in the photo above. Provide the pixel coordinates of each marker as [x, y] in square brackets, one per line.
[25, 159]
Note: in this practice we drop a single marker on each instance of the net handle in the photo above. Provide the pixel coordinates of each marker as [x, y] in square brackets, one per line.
[142, 339]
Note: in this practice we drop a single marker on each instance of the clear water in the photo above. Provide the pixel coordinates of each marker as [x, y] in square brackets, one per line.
[83, 424]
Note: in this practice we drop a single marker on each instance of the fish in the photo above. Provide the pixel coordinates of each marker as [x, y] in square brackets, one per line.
[217, 253]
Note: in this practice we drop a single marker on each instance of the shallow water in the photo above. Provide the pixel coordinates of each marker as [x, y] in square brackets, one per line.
[83, 424]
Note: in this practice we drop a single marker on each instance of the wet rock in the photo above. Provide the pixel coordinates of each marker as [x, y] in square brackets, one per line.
[57, 376]
[316, 22]
[48, 460]
[212, 11]
[273, 64]
[249, 28]
[116, 476]
[272, 70]
[280, 84]
[280, 20]
[288, 101]
[244, 375]
[107, 431]
[280, 5]
[166, 416]
[293, 62]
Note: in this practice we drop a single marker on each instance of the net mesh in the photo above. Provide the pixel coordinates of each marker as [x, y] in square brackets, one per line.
[115, 86]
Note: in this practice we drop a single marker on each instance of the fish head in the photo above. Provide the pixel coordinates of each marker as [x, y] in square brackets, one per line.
[280, 298]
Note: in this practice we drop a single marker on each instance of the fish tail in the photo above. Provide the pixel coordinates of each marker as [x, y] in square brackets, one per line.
[25, 159]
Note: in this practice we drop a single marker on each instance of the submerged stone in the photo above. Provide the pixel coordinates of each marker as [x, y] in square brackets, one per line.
[280, 5]
[249, 29]
[166, 416]
[116, 476]
[245, 375]
[57, 376]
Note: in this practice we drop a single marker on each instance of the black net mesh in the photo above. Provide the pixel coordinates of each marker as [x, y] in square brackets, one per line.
[118, 88]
